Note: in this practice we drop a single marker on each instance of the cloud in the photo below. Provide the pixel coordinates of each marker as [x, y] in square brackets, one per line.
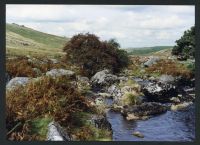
[131, 25]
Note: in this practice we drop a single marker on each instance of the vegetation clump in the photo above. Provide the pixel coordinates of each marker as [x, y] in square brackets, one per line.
[170, 67]
[83, 130]
[24, 67]
[185, 46]
[46, 97]
[93, 55]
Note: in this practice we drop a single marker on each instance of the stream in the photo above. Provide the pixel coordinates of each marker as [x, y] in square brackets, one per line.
[170, 126]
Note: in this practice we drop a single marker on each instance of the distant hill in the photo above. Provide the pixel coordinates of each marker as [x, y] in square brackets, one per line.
[21, 40]
[146, 50]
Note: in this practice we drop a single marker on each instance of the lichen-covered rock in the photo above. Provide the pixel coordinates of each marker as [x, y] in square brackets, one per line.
[60, 72]
[56, 133]
[114, 91]
[160, 92]
[145, 109]
[103, 79]
[17, 81]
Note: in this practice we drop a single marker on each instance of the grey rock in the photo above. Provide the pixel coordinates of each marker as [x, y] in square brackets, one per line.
[114, 91]
[35, 61]
[17, 81]
[60, 72]
[103, 78]
[152, 60]
[159, 92]
[142, 82]
[138, 134]
[145, 109]
[166, 79]
[175, 100]
[56, 133]
[189, 90]
[181, 106]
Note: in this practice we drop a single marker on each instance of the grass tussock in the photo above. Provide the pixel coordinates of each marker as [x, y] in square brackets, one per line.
[46, 97]
[132, 92]
[131, 98]
[170, 68]
[90, 133]
[83, 130]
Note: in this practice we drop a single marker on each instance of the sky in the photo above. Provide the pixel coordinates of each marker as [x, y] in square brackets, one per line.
[130, 25]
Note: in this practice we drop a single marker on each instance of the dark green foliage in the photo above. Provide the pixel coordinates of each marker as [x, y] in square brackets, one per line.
[123, 60]
[185, 46]
[191, 67]
[93, 55]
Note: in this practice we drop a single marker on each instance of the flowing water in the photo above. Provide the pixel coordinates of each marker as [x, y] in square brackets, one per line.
[171, 126]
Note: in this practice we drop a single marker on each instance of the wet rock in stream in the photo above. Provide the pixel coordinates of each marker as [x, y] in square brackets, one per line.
[143, 111]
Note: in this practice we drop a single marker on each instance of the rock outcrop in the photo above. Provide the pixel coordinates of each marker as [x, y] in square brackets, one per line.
[114, 91]
[144, 110]
[60, 72]
[152, 60]
[160, 92]
[103, 79]
[17, 81]
[166, 79]
[56, 133]
[181, 106]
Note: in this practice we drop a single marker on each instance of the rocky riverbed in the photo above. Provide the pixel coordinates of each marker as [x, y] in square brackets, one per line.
[127, 107]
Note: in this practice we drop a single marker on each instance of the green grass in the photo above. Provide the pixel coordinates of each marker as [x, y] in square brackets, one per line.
[146, 50]
[40, 126]
[22, 40]
[40, 37]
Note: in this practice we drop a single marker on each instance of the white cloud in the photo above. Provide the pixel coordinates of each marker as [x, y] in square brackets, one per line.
[132, 26]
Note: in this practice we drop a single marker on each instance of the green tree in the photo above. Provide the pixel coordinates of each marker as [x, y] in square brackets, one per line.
[185, 46]
[93, 55]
